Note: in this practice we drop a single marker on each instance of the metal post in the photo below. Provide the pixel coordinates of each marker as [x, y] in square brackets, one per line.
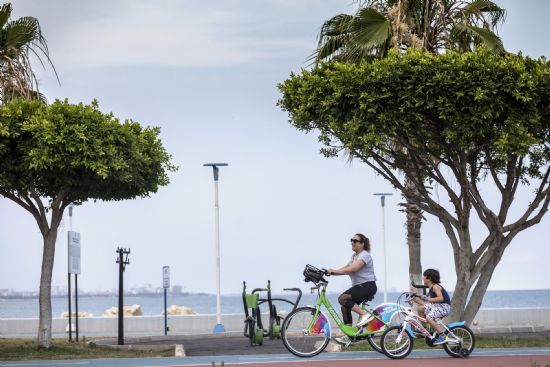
[383, 202]
[69, 278]
[165, 315]
[217, 241]
[70, 310]
[76, 305]
[120, 298]
[121, 267]
[218, 328]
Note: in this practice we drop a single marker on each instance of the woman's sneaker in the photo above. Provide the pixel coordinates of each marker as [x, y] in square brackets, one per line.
[344, 340]
[364, 319]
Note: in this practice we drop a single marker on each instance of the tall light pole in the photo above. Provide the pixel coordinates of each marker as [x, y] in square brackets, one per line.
[383, 202]
[219, 327]
[71, 206]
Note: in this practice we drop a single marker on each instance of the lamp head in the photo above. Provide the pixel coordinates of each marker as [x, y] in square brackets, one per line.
[215, 168]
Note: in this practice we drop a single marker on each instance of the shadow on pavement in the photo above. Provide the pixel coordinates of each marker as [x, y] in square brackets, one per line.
[201, 345]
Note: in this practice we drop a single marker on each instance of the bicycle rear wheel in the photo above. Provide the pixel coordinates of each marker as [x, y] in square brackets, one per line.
[465, 346]
[375, 342]
[396, 343]
[303, 334]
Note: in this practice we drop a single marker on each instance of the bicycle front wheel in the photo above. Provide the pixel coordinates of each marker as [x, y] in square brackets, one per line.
[396, 342]
[303, 333]
[461, 343]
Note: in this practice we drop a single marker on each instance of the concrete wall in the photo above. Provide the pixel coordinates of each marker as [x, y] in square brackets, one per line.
[499, 320]
[502, 320]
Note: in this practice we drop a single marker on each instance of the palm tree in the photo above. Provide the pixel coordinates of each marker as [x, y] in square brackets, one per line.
[19, 39]
[431, 25]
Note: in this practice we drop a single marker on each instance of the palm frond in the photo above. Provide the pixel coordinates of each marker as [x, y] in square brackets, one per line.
[478, 36]
[21, 32]
[330, 49]
[491, 12]
[369, 30]
[332, 37]
[5, 13]
[18, 40]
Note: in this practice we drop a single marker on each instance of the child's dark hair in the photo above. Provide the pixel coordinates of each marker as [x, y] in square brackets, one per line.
[432, 275]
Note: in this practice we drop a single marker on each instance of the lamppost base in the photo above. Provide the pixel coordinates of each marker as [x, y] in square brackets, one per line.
[218, 328]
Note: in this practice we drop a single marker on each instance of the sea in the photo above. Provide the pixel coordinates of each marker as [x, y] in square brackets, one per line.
[233, 304]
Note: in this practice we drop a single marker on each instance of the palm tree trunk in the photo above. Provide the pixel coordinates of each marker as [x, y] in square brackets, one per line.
[414, 223]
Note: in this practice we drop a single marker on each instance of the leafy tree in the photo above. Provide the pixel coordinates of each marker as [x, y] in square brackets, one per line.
[430, 25]
[54, 155]
[458, 119]
[18, 40]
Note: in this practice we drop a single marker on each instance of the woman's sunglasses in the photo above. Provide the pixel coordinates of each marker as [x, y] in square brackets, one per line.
[353, 240]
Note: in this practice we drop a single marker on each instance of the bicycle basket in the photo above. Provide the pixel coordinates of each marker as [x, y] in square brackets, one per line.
[312, 274]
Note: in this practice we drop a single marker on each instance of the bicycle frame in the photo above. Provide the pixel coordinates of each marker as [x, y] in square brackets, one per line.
[320, 322]
[416, 321]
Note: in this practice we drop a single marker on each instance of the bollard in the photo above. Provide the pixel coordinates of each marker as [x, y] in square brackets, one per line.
[179, 351]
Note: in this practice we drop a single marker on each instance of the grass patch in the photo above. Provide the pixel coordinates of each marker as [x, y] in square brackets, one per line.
[27, 349]
[481, 342]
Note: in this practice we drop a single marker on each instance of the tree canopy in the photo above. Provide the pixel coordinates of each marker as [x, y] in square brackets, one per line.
[77, 151]
[58, 154]
[451, 119]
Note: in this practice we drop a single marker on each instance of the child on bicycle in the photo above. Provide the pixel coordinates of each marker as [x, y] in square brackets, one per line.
[436, 305]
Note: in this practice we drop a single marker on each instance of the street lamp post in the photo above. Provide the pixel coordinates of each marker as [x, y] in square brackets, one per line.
[71, 206]
[383, 202]
[219, 327]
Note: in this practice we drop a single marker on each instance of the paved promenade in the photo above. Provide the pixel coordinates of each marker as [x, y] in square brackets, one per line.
[512, 357]
[231, 343]
[204, 345]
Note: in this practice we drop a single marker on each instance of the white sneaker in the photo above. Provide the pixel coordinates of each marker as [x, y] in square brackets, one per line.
[364, 319]
[344, 340]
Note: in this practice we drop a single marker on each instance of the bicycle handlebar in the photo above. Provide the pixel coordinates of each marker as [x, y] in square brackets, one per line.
[419, 286]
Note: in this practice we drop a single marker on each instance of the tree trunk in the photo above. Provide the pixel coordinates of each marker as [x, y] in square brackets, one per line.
[414, 223]
[45, 303]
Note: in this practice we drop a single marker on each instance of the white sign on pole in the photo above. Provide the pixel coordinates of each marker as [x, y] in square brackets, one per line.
[74, 252]
[166, 277]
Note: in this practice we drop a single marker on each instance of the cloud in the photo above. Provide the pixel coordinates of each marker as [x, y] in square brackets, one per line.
[187, 34]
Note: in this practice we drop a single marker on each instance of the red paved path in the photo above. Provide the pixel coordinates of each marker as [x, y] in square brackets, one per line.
[476, 361]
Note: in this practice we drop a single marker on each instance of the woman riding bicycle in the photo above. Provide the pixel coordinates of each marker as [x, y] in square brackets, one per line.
[363, 281]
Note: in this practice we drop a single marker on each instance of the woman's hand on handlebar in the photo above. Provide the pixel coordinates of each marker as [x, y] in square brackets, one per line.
[329, 272]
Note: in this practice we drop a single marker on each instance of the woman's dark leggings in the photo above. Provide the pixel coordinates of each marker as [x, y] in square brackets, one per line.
[354, 296]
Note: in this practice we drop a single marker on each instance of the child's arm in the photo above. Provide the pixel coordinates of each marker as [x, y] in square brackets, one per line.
[438, 295]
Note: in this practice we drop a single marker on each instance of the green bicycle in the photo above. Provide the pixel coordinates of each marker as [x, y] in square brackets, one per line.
[306, 331]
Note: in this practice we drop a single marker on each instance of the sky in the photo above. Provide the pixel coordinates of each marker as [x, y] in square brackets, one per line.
[206, 72]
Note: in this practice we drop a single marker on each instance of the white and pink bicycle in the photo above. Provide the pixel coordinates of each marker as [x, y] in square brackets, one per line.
[397, 341]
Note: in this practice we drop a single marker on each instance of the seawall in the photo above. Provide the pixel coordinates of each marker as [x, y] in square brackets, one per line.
[496, 320]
